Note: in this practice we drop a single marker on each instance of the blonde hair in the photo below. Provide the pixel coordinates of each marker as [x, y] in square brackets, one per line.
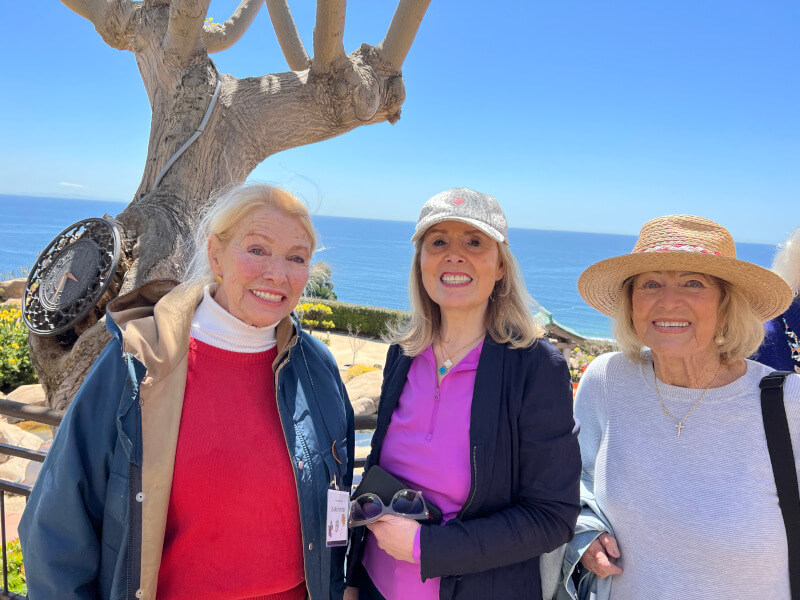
[508, 315]
[230, 206]
[787, 261]
[740, 329]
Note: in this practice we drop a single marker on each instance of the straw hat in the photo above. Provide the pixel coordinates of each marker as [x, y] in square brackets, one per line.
[685, 243]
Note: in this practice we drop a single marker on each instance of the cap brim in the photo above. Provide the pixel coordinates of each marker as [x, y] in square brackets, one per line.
[768, 294]
[425, 224]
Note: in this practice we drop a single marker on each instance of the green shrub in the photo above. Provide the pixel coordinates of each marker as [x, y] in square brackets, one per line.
[320, 284]
[13, 274]
[371, 321]
[579, 359]
[15, 569]
[313, 315]
[15, 364]
[582, 355]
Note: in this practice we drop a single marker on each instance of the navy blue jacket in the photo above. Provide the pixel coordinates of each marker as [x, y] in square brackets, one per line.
[774, 351]
[525, 463]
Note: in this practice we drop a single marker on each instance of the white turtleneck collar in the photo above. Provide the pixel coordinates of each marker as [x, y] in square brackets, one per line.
[213, 325]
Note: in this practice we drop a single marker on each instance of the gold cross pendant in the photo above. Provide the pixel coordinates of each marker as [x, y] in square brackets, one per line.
[680, 427]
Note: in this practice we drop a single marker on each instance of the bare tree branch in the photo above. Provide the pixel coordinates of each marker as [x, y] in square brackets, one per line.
[286, 32]
[223, 36]
[92, 10]
[405, 23]
[286, 110]
[328, 34]
[185, 28]
[111, 18]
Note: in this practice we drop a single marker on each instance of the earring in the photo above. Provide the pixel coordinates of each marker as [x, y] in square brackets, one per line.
[218, 279]
[719, 340]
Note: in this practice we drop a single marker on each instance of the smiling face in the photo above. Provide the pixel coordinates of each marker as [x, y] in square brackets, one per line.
[264, 266]
[459, 266]
[676, 313]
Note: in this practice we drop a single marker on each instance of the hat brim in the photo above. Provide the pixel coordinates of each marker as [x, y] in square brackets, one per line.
[766, 292]
[426, 224]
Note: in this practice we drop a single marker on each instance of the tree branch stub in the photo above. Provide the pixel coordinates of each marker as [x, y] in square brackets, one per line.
[112, 19]
[328, 35]
[185, 28]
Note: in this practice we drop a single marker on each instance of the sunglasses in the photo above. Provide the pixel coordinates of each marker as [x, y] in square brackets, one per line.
[405, 503]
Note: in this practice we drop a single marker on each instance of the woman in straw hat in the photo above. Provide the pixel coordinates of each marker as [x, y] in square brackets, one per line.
[781, 346]
[678, 491]
[476, 413]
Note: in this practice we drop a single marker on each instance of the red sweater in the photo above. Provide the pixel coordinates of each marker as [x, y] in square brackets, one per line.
[233, 526]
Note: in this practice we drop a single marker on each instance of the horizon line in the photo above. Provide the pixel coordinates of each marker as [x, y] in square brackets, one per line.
[125, 202]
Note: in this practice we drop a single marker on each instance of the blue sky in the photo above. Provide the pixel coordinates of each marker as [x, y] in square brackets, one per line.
[584, 116]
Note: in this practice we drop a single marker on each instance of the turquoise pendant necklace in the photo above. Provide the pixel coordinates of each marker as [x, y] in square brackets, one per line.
[448, 359]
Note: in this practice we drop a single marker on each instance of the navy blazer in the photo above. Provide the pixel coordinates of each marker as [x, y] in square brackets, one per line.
[525, 464]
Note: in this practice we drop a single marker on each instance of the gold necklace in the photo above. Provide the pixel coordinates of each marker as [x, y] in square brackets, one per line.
[448, 363]
[679, 425]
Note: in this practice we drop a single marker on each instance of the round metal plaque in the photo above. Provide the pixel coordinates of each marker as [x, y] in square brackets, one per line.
[70, 276]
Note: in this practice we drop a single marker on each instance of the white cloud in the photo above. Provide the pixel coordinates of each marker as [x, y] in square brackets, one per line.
[68, 184]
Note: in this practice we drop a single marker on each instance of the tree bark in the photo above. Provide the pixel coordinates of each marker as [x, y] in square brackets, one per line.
[253, 118]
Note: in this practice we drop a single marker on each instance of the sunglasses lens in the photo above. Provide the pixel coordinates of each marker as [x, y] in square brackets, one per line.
[408, 502]
[365, 507]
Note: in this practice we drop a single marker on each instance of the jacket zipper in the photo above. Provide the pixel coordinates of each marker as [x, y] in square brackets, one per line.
[434, 414]
[133, 486]
[474, 483]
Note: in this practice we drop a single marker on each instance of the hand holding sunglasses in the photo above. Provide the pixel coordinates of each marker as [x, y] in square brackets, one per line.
[368, 507]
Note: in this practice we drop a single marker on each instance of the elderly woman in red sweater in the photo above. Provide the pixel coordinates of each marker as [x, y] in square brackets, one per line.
[196, 459]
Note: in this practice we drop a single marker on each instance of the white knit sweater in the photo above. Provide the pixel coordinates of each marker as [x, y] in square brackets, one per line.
[696, 516]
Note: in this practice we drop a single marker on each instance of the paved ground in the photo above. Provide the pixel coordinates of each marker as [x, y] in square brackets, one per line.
[372, 352]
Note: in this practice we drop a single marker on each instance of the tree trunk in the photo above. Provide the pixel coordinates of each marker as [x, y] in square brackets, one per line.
[252, 119]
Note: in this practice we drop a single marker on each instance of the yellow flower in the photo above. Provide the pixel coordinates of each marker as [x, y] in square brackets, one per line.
[13, 361]
[15, 345]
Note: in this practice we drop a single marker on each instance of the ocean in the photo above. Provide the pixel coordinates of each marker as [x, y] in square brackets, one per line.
[370, 258]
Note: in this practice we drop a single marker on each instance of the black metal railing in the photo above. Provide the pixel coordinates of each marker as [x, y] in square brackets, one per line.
[47, 416]
[365, 423]
[19, 410]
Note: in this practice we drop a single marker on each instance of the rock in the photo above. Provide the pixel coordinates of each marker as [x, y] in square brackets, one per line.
[365, 406]
[13, 468]
[364, 392]
[11, 289]
[32, 395]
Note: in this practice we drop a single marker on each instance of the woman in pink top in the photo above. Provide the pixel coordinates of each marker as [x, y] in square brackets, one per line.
[475, 412]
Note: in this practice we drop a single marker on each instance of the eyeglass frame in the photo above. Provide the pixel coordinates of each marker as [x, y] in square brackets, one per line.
[388, 510]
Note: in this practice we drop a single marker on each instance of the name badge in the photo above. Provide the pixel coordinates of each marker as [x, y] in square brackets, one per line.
[336, 525]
